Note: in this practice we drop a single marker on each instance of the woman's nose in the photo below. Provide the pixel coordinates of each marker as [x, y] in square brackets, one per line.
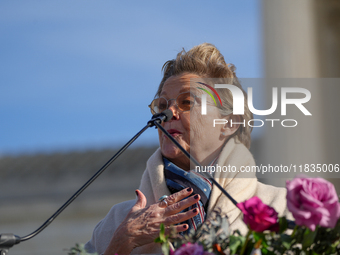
[173, 107]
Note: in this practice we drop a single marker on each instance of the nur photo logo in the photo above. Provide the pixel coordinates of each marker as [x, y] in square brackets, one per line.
[239, 104]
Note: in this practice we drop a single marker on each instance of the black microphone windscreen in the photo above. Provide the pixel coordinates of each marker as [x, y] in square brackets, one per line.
[168, 114]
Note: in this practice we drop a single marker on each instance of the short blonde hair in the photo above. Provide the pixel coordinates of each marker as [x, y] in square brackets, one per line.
[206, 61]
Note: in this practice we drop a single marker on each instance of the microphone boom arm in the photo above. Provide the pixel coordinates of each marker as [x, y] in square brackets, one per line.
[9, 240]
[92, 179]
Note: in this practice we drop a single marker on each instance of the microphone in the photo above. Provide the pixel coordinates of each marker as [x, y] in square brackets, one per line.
[161, 117]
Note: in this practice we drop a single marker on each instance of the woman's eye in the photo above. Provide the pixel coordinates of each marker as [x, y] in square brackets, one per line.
[186, 102]
[162, 107]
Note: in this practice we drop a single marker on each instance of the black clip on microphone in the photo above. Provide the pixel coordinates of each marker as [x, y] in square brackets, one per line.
[9, 240]
[160, 117]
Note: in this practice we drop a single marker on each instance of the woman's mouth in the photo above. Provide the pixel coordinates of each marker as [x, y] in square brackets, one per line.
[174, 132]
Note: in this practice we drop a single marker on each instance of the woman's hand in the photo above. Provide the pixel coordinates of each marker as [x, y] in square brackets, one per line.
[142, 224]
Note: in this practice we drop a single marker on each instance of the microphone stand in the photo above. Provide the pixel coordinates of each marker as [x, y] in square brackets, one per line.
[7, 241]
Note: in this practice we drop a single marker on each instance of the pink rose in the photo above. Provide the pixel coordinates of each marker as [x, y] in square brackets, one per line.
[313, 201]
[258, 216]
[190, 249]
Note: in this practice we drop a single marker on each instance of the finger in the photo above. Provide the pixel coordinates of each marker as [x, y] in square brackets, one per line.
[178, 196]
[141, 201]
[180, 217]
[176, 229]
[180, 206]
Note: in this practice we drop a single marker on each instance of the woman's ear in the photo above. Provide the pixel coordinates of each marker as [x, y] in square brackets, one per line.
[231, 126]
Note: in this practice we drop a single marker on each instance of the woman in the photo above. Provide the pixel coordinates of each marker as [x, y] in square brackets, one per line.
[132, 226]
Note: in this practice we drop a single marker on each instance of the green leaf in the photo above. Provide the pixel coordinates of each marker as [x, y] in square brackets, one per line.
[162, 238]
[308, 238]
[158, 240]
[283, 223]
[162, 227]
[257, 236]
[236, 243]
[286, 241]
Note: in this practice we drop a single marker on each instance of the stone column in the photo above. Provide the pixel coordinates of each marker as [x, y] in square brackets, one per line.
[302, 40]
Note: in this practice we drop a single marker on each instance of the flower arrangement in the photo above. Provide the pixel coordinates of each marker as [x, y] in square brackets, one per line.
[314, 205]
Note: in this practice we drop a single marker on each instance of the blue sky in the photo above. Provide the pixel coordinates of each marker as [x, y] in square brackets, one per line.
[79, 74]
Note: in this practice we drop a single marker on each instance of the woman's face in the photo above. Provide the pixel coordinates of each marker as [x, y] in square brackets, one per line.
[191, 129]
